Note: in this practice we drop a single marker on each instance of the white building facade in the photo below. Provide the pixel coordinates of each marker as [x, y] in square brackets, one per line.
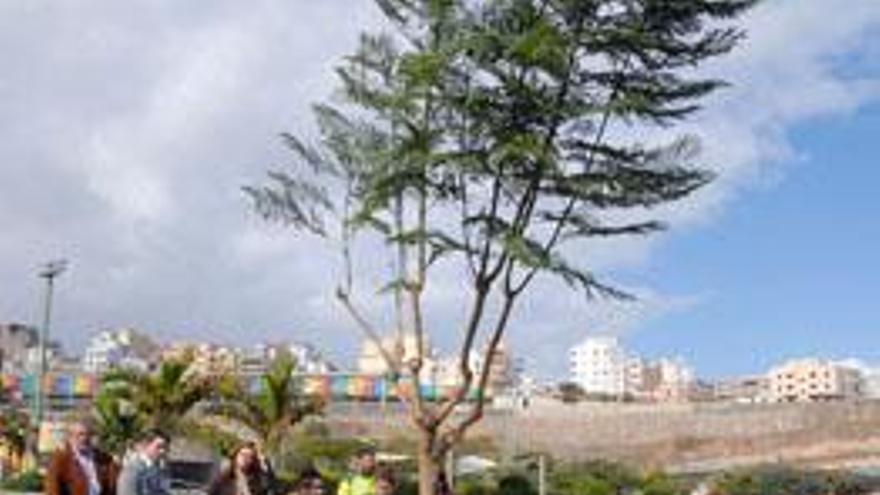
[119, 348]
[309, 359]
[599, 365]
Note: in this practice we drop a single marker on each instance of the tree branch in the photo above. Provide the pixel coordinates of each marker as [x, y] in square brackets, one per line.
[369, 331]
[455, 433]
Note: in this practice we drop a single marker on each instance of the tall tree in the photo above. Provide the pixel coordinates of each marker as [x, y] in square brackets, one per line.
[521, 118]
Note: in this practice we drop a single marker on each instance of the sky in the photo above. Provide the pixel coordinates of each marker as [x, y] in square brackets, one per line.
[127, 131]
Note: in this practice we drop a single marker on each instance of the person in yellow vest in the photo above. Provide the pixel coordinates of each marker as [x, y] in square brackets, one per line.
[363, 480]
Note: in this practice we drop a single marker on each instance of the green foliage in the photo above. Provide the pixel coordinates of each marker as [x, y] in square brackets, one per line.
[500, 110]
[657, 483]
[271, 414]
[28, 481]
[475, 485]
[130, 401]
[780, 480]
[594, 478]
[220, 441]
[117, 422]
[516, 484]
[331, 455]
[14, 428]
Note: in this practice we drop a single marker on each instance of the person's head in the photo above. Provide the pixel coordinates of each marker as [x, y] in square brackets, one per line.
[154, 445]
[245, 458]
[310, 482]
[365, 461]
[386, 482]
[80, 435]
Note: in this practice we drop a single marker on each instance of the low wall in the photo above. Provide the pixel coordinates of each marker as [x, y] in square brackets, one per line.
[658, 434]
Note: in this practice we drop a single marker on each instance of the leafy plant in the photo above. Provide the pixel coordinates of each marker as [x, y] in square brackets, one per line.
[594, 478]
[130, 400]
[14, 429]
[28, 481]
[270, 414]
[783, 480]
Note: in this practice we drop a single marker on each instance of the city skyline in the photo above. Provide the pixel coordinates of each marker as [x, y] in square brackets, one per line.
[131, 167]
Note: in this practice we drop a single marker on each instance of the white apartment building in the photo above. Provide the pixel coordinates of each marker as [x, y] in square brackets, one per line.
[813, 380]
[871, 383]
[599, 365]
[119, 348]
[257, 358]
[31, 362]
[308, 359]
[870, 376]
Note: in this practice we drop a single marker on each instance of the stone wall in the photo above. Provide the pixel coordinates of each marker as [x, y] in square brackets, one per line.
[657, 434]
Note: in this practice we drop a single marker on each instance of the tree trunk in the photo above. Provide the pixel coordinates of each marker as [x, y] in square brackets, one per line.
[429, 463]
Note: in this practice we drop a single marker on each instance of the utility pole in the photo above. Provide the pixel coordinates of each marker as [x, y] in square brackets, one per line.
[49, 271]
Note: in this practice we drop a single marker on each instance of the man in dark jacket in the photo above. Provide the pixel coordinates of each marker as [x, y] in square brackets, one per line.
[78, 468]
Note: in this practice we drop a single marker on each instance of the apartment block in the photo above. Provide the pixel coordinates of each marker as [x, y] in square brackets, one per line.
[813, 380]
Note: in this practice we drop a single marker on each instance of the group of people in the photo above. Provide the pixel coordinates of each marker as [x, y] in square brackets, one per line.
[79, 468]
[247, 473]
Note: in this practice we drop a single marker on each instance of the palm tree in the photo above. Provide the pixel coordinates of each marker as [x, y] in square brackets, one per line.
[117, 422]
[14, 430]
[270, 414]
[159, 399]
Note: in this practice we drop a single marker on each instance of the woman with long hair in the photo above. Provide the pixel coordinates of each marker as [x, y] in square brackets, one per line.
[246, 474]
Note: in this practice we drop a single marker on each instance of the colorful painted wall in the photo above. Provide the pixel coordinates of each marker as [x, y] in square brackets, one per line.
[337, 387]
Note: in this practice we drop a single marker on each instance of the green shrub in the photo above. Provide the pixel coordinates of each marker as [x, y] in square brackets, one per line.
[27, 481]
[475, 485]
[516, 484]
[779, 480]
[661, 484]
[594, 478]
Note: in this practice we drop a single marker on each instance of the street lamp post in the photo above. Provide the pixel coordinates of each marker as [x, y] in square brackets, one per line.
[48, 271]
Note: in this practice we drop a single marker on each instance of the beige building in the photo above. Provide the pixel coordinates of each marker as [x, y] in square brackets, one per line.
[437, 370]
[677, 381]
[210, 359]
[813, 380]
[663, 380]
[372, 362]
